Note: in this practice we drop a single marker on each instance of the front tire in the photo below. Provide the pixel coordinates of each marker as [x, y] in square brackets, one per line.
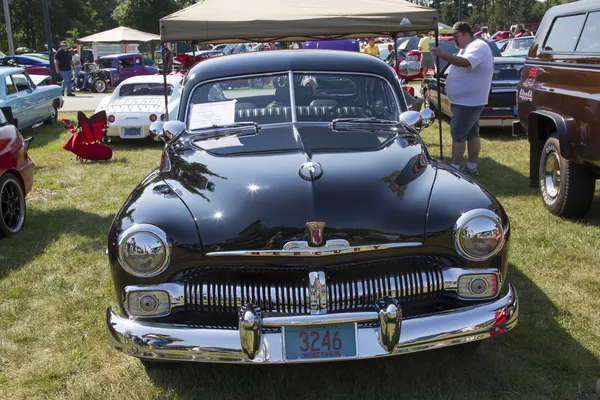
[99, 86]
[13, 208]
[567, 188]
[51, 120]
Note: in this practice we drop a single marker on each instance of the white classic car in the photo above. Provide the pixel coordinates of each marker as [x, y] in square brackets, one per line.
[138, 102]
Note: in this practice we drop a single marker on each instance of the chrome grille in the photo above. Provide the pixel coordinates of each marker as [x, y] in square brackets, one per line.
[286, 290]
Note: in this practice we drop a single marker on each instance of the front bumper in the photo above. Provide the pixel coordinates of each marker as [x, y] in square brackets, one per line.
[496, 122]
[172, 342]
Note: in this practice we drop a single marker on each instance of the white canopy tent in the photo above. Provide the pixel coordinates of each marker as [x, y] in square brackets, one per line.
[231, 21]
[121, 34]
[117, 40]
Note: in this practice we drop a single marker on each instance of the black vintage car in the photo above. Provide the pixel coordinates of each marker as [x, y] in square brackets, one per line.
[303, 222]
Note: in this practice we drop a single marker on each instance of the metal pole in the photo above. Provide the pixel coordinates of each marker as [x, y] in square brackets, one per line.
[11, 44]
[164, 57]
[49, 41]
[439, 92]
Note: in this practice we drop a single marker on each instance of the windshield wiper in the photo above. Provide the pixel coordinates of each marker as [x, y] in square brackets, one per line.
[362, 123]
[237, 128]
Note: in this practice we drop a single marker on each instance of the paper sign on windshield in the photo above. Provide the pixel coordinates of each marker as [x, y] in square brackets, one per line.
[205, 115]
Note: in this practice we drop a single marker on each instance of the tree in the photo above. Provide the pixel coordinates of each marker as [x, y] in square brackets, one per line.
[144, 15]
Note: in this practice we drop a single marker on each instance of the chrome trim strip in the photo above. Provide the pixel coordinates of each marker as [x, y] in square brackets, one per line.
[273, 321]
[313, 251]
[154, 341]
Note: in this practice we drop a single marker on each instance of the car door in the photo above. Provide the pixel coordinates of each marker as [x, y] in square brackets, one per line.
[38, 99]
[127, 68]
[138, 66]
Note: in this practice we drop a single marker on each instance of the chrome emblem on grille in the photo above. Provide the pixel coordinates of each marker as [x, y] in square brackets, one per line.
[318, 292]
[315, 232]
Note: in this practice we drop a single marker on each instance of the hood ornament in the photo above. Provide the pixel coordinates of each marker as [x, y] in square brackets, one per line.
[310, 171]
[315, 232]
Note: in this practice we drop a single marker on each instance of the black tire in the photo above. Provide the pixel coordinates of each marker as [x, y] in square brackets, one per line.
[13, 208]
[52, 119]
[567, 188]
[100, 86]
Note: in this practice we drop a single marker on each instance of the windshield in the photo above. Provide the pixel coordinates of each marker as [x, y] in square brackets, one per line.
[519, 44]
[145, 89]
[507, 71]
[267, 99]
[107, 63]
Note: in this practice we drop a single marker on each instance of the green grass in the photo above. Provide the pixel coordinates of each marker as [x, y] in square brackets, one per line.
[55, 285]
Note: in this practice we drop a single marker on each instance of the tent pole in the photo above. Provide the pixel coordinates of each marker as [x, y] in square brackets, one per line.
[164, 57]
[439, 93]
[396, 53]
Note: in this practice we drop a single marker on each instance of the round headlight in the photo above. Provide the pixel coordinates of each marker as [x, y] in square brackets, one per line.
[478, 235]
[144, 250]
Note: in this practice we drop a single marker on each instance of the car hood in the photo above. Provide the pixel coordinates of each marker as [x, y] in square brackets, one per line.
[248, 194]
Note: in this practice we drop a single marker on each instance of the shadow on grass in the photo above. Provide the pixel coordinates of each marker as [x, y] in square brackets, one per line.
[503, 180]
[43, 228]
[537, 359]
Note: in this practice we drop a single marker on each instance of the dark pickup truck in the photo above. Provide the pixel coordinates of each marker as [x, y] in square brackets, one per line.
[558, 100]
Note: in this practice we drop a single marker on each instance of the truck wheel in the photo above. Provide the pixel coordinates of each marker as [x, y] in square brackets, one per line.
[99, 86]
[567, 188]
[12, 205]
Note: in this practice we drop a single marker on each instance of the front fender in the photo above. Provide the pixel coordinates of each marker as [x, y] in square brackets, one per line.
[152, 202]
[452, 195]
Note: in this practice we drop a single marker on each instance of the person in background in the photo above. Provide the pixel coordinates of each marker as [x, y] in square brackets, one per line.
[468, 85]
[372, 48]
[391, 57]
[168, 56]
[426, 58]
[76, 62]
[63, 63]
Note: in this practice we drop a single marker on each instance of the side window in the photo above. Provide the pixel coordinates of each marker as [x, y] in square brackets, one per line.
[589, 42]
[10, 87]
[564, 33]
[126, 62]
[138, 61]
[21, 82]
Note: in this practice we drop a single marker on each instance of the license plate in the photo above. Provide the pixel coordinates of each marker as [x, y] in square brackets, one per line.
[132, 131]
[320, 342]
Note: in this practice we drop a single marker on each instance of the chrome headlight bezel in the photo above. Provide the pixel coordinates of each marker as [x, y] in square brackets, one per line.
[463, 222]
[153, 230]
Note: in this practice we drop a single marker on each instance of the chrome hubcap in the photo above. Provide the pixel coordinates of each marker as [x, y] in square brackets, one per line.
[552, 175]
[12, 206]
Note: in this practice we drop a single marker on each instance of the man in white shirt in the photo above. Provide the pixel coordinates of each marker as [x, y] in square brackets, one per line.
[468, 86]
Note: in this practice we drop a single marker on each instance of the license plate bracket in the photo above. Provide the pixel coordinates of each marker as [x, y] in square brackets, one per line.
[132, 131]
[320, 342]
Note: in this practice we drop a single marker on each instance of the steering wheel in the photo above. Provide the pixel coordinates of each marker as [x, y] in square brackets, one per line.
[329, 113]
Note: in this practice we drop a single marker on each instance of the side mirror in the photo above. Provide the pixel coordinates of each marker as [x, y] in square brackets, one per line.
[418, 120]
[427, 116]
[410, 118]
[166, 131]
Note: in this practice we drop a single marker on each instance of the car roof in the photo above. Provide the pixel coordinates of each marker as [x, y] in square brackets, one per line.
[171, 79]
[10, 70]
[286, 60]
[120, 55]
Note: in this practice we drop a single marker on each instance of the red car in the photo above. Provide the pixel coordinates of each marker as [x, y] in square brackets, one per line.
[501, 35]
[16, 175]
